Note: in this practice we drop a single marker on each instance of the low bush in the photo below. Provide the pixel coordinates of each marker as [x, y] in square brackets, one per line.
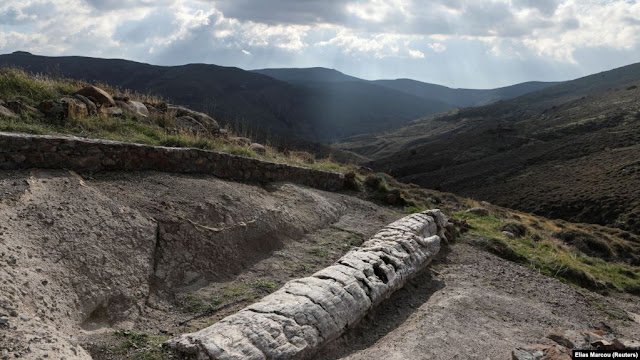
[586, 243]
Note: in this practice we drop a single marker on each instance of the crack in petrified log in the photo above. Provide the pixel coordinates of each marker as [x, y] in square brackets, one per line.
[298, 319]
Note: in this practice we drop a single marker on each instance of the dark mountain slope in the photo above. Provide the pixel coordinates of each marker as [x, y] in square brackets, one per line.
[348, 108]
[570, 151]
[437, 93]
[463, 97]
[316, 112]
[304, 75]
[224, 91]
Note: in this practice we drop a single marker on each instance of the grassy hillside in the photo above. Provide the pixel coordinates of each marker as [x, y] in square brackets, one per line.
[586, 255]
[233, 95]
[570, 151]
[155, 130]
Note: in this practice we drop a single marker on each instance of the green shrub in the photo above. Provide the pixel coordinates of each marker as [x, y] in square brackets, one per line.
[502, 249]
[264, 286]
[586, 243]
[374, 182]
[517, 229]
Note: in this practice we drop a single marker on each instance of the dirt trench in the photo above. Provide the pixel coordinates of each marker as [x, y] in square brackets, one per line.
[81, 256]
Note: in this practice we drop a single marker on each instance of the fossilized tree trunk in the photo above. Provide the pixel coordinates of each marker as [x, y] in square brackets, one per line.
[305, 314]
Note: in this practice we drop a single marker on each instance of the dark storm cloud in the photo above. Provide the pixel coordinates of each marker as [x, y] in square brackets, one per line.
[467, 17]
[443, 41]
[124, 4]
[285, 11]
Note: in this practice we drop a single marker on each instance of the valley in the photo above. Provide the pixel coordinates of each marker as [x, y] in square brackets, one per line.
[569, 151]
[318, 105]
[160, 234]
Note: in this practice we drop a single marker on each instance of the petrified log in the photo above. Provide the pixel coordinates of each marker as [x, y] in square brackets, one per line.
[295, 321]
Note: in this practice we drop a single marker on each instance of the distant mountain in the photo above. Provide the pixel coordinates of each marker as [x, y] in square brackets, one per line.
[463, 97]
[568, 151]
[437, 93]
[316, 104]
[305, 75]
[319, 111]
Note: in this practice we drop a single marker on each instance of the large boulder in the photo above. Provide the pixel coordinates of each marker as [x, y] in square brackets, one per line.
[202, 118]
[100, 96]
[134, 108]
[73, 108]
[6, 113]
[92, 109]
[189, 124]
[64, 108]
[52, 109]
[240, 141]
[18, 107]
[124, 105]
[112, 111]
[139, 108]
[258, 149]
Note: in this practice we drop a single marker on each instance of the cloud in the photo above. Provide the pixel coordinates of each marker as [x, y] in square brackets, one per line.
[437, 47]
[139, 30]
[303, 12]
[368, 36]
[125, 4]
[545, 7]
[416, 54]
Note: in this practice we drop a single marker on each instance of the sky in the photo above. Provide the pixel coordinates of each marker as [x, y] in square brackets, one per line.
[457, 43]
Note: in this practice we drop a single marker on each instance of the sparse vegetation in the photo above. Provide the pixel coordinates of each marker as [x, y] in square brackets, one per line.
[137, 346]
[570, 255]
[568, 152]
[156, 130]
[264, 286]
[319, 252]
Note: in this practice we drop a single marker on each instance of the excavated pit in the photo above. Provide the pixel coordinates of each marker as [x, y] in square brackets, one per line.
[82, 254]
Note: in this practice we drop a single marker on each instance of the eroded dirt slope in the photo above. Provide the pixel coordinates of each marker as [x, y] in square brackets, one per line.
[81, 255]
[159, 255]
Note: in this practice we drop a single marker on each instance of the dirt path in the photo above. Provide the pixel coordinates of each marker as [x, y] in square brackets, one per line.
[475, 305]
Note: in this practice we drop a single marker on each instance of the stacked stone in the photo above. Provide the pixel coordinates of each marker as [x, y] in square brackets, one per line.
[295, 321]
[18, 151]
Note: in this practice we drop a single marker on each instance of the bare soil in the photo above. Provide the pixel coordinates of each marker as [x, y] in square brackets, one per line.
[475, 305]
[159, 254]
[82, 256]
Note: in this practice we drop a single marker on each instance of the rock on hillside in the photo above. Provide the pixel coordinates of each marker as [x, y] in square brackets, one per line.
[91, 101]
[97, 95]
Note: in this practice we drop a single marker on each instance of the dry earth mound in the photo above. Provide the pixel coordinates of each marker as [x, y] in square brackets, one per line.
[80, 253]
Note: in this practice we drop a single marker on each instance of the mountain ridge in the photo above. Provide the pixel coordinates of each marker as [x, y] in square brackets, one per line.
[234, 95]
[566, 151]
[455, 97]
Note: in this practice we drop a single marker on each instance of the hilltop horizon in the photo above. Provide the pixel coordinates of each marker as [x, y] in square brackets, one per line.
[311, 67]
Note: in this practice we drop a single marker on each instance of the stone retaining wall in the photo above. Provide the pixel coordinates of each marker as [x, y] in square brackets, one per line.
[298, 319]
[18, 151]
